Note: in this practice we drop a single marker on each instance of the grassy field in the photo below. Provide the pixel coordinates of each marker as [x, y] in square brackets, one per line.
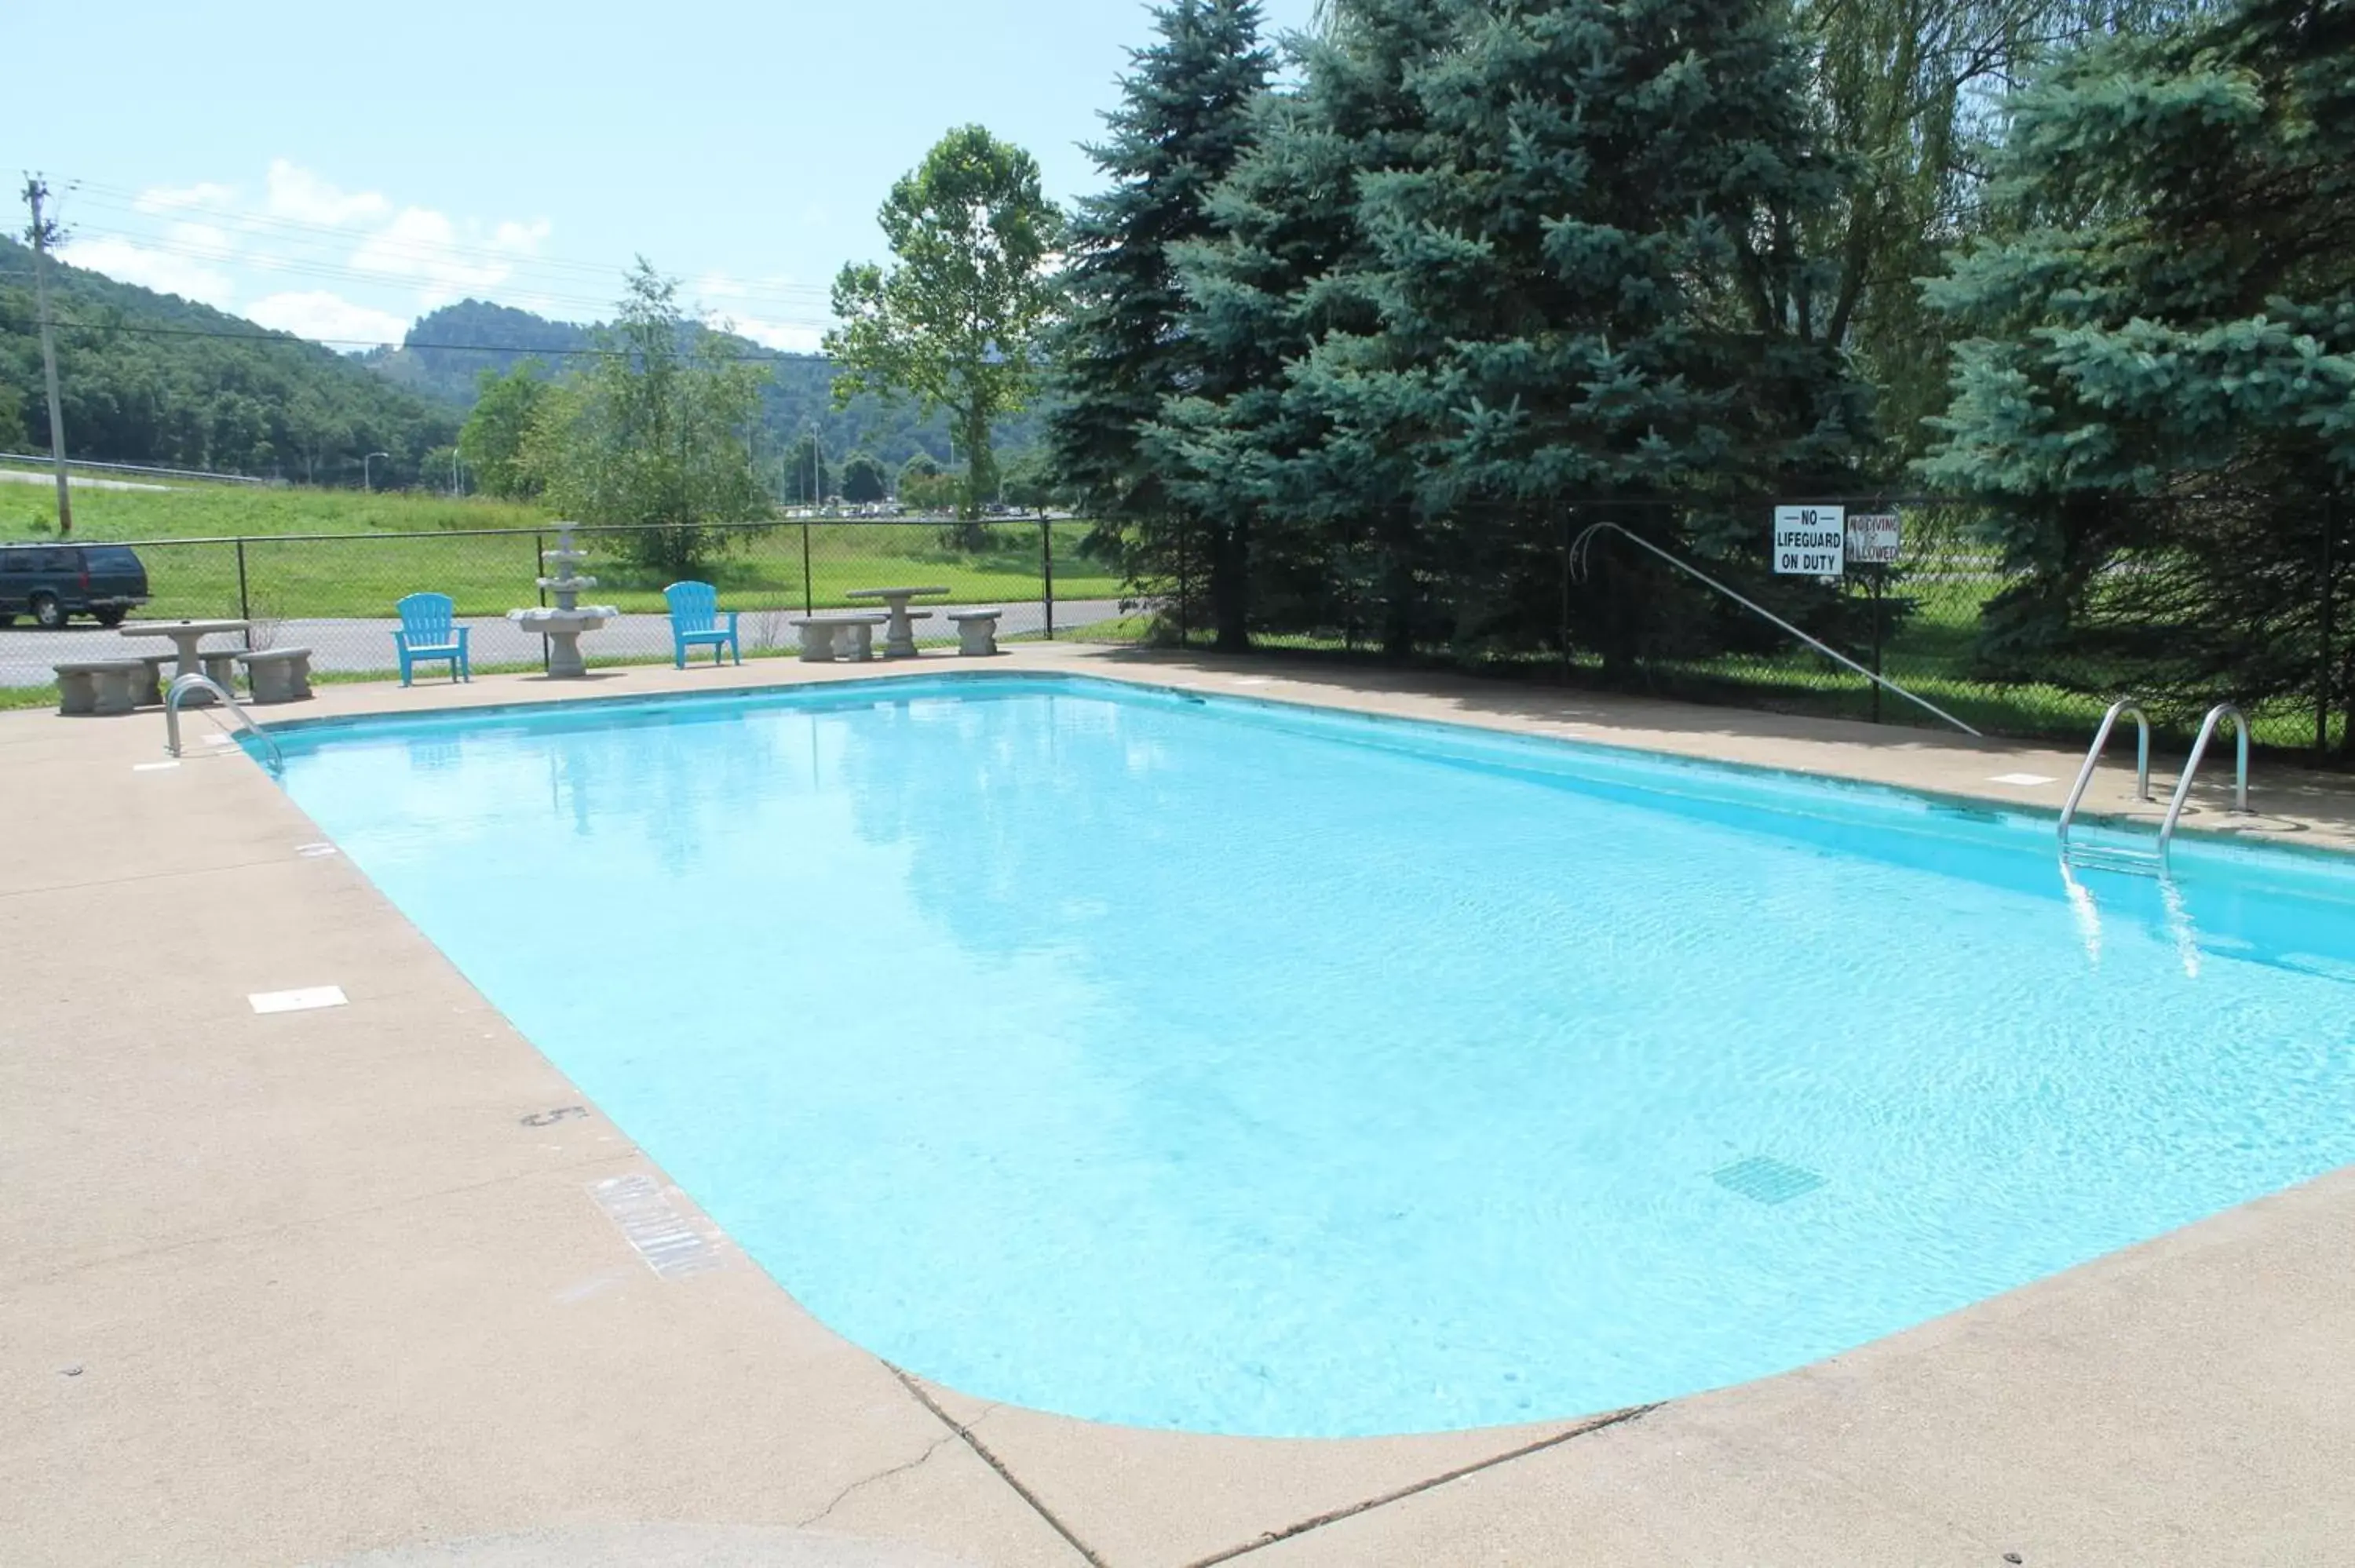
[392, 545]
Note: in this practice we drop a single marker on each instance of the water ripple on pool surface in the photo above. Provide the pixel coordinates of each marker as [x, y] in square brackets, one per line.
[1232, 1069]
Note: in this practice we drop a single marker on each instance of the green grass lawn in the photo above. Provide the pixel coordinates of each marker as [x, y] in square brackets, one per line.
[407, 543]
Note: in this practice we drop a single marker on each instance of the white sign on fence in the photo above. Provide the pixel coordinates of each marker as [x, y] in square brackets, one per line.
[1811, 541]
[1875, 541]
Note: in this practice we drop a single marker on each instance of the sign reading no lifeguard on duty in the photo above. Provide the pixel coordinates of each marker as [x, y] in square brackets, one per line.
[1811, 541]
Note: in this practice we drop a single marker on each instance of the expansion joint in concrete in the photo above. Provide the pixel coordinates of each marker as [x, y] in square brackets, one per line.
[1335, 1516]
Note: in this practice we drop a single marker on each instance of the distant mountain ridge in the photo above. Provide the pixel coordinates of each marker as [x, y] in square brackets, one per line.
[150, 377]
[446, 350]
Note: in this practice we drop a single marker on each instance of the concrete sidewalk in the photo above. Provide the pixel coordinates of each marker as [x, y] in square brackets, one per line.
[337, 1286]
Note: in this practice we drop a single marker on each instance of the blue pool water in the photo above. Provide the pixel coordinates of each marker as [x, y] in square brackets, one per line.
[1250, 1070]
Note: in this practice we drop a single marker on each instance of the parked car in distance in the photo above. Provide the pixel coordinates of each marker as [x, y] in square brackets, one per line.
[54, 582]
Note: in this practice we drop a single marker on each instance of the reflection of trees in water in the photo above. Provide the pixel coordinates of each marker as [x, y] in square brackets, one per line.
[680, 782]
[1023, 813]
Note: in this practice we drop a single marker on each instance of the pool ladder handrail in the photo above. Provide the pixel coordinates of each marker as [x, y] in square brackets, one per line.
[2123, 707]
[2216, 715]
[2162, 860]
[195, 682]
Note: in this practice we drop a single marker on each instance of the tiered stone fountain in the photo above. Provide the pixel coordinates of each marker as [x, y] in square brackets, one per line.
[563, 622]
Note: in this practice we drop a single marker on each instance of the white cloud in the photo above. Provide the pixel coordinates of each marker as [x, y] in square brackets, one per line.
[129, 262]
[426, 246]
[171, 199]
[203, 237]
[298, 194]
[789, 337]
[327, 317]
[521, 239]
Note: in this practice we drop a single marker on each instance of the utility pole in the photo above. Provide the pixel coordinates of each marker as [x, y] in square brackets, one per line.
[43, 234]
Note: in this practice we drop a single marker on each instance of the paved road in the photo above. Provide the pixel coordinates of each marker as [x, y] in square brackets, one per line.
[27, 654]
[78, 481]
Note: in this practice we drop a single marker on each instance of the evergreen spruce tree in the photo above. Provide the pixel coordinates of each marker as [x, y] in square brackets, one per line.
[1593, 288]
[2160, 373]
[1331, 530]
[1551, 253]
[1184, 121]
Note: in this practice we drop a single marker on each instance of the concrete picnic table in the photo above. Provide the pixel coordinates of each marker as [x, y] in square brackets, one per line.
[899, 636]
[186, 635]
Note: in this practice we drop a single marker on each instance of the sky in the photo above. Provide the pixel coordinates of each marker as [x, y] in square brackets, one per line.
[336, 171]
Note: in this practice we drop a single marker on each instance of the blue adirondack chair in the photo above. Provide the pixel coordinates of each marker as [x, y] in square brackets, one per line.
[696, 622]
[428, 631]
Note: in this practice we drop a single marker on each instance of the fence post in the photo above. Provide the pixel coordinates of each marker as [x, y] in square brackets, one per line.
[1880, 631]
[539, 569]
[1561, 623]
[809, 600]
[244, 602]
[1185, 545]
[2322, 693]
[1047, 568]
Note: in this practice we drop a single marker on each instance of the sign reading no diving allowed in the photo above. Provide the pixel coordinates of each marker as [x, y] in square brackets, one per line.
[1811, 541]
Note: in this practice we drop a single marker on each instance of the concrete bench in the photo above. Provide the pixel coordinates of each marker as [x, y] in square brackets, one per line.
[977, 632]
[147, 687]
[818, 633]
[97, 686]
[278, 675]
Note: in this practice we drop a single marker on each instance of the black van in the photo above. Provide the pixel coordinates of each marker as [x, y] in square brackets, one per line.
[53, 582]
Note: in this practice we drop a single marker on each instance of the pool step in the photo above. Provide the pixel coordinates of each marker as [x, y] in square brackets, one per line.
[2116, 857]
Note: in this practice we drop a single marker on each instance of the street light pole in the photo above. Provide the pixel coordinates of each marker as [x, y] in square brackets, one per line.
[367, 477]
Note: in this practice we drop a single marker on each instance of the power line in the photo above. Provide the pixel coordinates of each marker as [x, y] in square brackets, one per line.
[303, 267]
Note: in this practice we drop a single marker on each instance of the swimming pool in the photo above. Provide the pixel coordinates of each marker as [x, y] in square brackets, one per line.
[1256, 1070]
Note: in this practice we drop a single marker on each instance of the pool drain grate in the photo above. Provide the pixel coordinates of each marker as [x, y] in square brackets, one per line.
[1765, 1181]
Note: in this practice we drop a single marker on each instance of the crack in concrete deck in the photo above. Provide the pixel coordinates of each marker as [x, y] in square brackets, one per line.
[865, 1481]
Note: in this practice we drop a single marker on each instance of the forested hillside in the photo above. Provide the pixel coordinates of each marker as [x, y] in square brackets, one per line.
[152, 378]
[447, 350]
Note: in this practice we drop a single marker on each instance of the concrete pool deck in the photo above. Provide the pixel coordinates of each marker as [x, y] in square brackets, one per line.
[334, 1285]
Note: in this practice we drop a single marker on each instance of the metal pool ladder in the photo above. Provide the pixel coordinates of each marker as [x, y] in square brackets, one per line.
[2148, 861]
[193, 682]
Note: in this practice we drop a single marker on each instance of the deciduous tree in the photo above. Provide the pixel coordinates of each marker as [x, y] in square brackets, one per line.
[496, 438]
[652, 434]
[864, 478]
[954, 321]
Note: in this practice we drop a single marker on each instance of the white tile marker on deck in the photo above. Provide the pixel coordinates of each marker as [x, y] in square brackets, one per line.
[654, 1229]
[304, 1000]
[2023, 780]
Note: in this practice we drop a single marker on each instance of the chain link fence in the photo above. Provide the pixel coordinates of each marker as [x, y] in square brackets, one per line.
[1565, 600]
[1568, 599]
[335, 594]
